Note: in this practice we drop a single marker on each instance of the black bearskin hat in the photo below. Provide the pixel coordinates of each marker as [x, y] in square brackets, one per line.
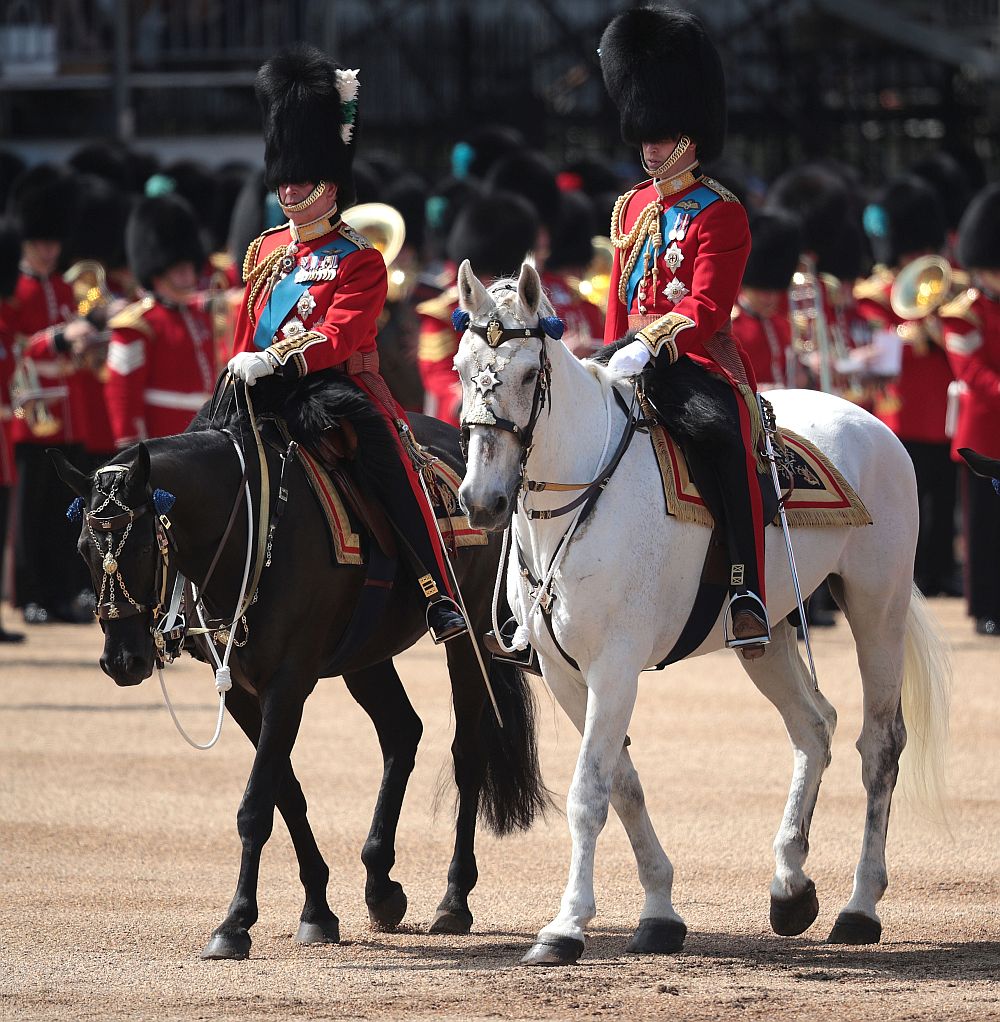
[98, 230]
[475, 155]
[572, 238]
[43, 199]
[908, 218]
[979, 231]
[665, 76]
[408, 194]
[106, 161]
[297, 92]
[10, 257]
[531, 176]
[819, 198]
[943, 173]
[161, 233]
[11, 167]
[776, 243]
[495, 233]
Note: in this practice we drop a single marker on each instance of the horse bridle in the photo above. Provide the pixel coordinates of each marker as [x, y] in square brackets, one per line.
[495, 333]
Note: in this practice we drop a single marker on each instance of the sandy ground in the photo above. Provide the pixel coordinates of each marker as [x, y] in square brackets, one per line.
[119, 854]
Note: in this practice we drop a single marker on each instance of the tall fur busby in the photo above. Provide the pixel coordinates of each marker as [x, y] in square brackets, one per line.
[979, 231]
[572, 238]
[11, 167]
[43, 200]
[162, 232]
[10, 256]
[104, 160]
[494, 232]
[307, 114]
[908, 218]
[98, 230]
[408, 194]
[945, 175]
[665, 76]
[533, 177]
[776, 243]
[821, 201]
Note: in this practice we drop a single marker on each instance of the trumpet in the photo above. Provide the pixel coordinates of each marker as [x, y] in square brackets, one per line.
[810, 330]
[30, 400]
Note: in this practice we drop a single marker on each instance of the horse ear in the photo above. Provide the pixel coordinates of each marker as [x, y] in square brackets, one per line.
[77, 481]
[980, 464]
[139, 472]
[529, 289]
[472, 296]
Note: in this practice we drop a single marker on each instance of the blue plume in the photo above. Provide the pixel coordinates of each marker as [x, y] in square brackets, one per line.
[75, 511]
[875, 221]
[163, 501]
[460, 320]
[552, 325]
[996, 486]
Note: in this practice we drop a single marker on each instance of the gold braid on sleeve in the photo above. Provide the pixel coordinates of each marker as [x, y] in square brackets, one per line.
[659, 336]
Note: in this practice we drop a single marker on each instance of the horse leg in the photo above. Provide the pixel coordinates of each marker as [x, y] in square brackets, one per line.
[878, 624]
[810, 720]
[611, 691]
[317, 924]
[661, 930]
[453, 915]
[281, 714]
[379, 692]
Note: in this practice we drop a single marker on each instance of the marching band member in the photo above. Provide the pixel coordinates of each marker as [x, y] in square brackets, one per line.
[50, 578]
[161, 364]
[971, 328]
[315, 287]
[906, 223]
[682, 243]
[760, 316]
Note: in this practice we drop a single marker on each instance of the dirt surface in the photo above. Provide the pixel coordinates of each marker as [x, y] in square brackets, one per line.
[119, 855]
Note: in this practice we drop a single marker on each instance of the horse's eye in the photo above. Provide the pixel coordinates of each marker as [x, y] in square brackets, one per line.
[529, 377]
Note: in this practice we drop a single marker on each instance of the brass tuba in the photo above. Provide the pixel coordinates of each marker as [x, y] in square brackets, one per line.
[94, 298]
[385, 228]
[922, 287]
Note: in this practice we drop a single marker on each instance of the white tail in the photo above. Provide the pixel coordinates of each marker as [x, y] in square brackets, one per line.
[926, 706]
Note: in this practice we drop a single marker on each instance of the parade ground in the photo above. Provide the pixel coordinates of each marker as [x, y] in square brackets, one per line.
[119, 856]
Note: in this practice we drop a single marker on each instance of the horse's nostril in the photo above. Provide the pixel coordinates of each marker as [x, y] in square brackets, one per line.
[500, 504]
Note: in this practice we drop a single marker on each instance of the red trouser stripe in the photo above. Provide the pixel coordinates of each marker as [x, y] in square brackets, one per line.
[756, 504]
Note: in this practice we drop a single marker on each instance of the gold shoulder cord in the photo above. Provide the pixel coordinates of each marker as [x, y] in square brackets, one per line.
[259, 276]
[647, 225]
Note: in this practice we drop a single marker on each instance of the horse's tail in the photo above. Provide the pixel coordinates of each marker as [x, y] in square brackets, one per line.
[926, 702]
[513, 793]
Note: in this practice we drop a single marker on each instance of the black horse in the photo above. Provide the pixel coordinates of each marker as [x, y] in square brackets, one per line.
[303, 604]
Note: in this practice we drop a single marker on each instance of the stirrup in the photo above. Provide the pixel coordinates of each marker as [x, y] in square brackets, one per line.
[523, 659]
[751, 646]
[451, 631]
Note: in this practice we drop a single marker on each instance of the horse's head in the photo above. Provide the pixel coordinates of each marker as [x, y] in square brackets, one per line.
[504, 368]
[122, 539]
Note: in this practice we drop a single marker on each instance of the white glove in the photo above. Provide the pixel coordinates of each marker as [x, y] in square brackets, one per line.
[250, 366]
[629, 361]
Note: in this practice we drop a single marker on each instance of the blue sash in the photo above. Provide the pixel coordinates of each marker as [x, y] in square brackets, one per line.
[702, 195]
[288, 291]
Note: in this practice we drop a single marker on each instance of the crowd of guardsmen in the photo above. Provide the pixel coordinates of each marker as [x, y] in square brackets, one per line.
[120, 280]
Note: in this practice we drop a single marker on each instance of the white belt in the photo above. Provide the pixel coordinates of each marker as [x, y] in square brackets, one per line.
[50, 370]
[179, 399]
[41, 394]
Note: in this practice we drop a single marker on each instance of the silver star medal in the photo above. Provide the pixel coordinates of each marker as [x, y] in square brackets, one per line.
[305, 304]
[485, 380]
[673, 257]
[674, 291]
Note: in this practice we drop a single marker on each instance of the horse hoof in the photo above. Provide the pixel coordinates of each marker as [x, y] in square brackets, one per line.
[454, 921]
[555, 951]
[657, 937]
[792, 916]
[388, 914]
[233, 946]
[327, 931]
[855, 928]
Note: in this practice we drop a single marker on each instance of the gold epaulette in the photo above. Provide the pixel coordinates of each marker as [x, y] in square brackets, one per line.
[874, 288]
[132, 317]
[250, 259]
[220, 261]
[961, 307]
[355, 237]
[721, 190]
[439, 307]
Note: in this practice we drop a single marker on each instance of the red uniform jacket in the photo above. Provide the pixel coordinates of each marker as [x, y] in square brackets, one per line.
[697, 272]
[6, 412]
[583, 320]
[766, 342]
[917, 400]
[971, 328]
[161, 369]
[436, 354]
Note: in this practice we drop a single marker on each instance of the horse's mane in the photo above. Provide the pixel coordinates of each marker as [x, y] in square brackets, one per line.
[308, 407]
[503, 291]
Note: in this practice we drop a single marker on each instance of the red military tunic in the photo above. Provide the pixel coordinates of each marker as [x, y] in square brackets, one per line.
[436, 354]
[583, 320]
[971, 328]
[767, 341]
[915, 405]
[7, 474]
[678, 264]
[161, 369]
[332, 325]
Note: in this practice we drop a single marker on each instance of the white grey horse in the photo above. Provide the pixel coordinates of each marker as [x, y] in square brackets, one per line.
[619, 592]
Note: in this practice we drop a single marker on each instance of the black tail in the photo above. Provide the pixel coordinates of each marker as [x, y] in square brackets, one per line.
[513, 794]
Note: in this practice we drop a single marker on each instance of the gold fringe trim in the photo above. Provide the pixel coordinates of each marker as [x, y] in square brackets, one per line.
[856, 515]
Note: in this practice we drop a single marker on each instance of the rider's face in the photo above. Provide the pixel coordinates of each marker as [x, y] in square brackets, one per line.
[654, 153]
